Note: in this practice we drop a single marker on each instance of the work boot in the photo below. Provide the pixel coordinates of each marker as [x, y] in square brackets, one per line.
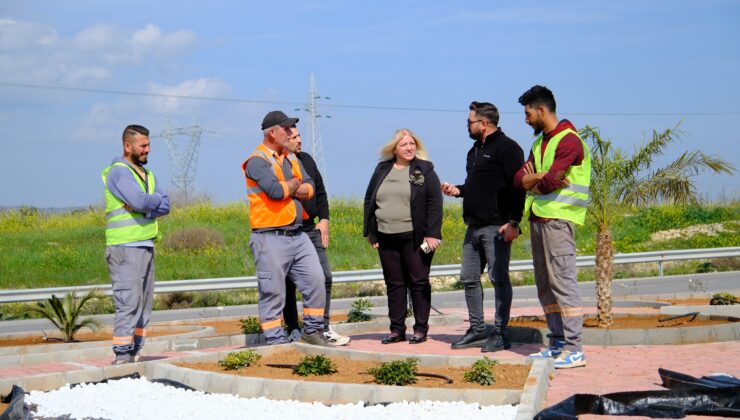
[471, 339]
[316, 338]
[496, 341]
[122, 359]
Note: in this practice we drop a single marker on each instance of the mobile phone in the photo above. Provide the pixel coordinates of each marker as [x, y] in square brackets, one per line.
[425, 247]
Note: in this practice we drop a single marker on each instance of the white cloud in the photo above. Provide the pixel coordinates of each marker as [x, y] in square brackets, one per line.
[107, 117]
[33, 52]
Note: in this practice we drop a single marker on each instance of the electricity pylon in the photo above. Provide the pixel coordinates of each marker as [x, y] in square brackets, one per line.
[186, 161]
[317, 147]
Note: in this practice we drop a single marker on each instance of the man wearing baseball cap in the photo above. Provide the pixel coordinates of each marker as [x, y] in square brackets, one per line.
[276, 184]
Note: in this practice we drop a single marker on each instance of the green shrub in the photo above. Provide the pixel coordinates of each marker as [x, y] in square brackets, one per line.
[398, 372]
[240, 359]
[176, 300]
[723, 298]
[193, 239]
[481, 372]
[251, 325]
[315, 365]
[357, 312]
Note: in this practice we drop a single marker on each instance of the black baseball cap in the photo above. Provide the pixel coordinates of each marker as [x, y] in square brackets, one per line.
[274, 118]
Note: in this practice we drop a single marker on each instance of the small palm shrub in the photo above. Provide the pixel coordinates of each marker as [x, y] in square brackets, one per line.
[723, 298]
[481, 372]
[251, 325]
[315, 365]
[397, 372]
[240, 359]
[358, 311]
[66, 313]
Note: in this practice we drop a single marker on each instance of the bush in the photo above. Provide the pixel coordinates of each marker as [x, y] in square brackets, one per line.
[241, 359]
[251, 325]
[315, 365]
[357, 312]
[176, 300]
[194, 239]
[481, 372]
[723, 298]
[398, 372]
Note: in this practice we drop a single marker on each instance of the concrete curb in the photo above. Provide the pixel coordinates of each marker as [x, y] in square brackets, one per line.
[622, 337]
[530, 398]
[61, 347]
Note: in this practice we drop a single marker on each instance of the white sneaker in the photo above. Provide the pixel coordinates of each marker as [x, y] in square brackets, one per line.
[334, 338]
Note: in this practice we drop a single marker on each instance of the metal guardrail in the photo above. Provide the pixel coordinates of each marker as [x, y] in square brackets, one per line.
[27, 295]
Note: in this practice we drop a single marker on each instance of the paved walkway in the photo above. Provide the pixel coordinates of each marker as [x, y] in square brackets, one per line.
[610, 369]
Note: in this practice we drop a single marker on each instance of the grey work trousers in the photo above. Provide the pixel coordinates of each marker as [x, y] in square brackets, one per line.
[276, 257]
[484, 246]
[131, 271]
[290, 312]
[554, 255]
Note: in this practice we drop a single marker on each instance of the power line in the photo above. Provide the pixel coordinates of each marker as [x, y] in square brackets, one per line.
[348, 106]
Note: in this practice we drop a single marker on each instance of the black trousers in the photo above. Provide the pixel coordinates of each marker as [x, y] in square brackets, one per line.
[406, 270]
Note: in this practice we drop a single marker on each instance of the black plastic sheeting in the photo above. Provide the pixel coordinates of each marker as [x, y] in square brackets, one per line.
[17, 409]
[709, 395]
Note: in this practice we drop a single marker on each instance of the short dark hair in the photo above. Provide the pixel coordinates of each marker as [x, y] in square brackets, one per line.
[486, 110]
[538, 96]
[132, 130]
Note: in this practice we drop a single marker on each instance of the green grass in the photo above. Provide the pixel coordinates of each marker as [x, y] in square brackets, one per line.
[47, 250]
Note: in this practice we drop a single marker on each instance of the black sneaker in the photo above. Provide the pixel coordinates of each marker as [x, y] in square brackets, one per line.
[471, 339]
[496, 342]
[316, 338]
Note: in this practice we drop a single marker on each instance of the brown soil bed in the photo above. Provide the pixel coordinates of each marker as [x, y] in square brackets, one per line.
[686, 302]
[624, 322]
[81, 337]
[234, 326]
[355, 372]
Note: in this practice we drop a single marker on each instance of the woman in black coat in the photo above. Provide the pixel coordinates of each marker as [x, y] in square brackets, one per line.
[403, 221]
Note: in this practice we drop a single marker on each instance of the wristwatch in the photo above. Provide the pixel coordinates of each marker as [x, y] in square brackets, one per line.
[513, 223]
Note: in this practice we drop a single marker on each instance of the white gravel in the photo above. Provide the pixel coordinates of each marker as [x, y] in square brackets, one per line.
[140, 399]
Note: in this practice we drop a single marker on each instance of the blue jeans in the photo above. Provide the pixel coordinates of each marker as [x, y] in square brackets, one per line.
[484, 246]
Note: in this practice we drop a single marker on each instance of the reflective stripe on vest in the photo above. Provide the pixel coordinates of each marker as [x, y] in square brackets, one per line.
[571, 202]
[265, 212]
[122, 225]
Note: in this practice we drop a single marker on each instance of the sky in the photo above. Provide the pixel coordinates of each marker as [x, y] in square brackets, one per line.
[73, 74]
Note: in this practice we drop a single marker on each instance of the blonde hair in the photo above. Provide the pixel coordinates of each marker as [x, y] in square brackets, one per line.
[386, 152]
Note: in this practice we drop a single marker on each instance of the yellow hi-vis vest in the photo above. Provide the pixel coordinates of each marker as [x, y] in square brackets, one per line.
[571, 202]
[124, 226]
[265, 212]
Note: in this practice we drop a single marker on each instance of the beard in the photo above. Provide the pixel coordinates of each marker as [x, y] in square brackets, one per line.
[138, 160]
[472, 135]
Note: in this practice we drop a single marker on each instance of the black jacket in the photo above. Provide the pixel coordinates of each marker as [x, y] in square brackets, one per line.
[426, 201]
[318, 205]
[489, 197]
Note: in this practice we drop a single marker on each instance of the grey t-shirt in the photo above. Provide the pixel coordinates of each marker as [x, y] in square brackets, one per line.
[393, 202]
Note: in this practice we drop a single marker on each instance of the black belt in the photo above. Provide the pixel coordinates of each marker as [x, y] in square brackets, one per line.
[280, 232]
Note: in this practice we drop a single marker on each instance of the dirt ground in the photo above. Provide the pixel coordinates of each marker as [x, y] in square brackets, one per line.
[233, 326]
[686, 302]
[624, 322]
[81, 337]
[355, 372]
[3, 407]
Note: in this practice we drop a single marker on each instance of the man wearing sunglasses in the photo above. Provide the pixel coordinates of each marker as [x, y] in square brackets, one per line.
[492, 209]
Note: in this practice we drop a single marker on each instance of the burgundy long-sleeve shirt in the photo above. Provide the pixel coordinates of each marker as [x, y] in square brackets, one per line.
[568, 153]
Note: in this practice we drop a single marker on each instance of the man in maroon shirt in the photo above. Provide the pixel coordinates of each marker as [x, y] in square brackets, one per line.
[552, 238]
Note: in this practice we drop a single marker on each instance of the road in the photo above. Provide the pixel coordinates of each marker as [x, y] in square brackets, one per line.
[523, 296]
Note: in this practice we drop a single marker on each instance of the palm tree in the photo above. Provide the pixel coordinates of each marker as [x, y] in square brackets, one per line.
[620, 181]
[65, 314]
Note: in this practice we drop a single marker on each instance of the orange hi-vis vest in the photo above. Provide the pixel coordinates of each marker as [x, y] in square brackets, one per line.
[265, 212]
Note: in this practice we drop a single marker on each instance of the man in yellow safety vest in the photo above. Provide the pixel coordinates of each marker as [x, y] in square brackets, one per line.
[556, 177]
